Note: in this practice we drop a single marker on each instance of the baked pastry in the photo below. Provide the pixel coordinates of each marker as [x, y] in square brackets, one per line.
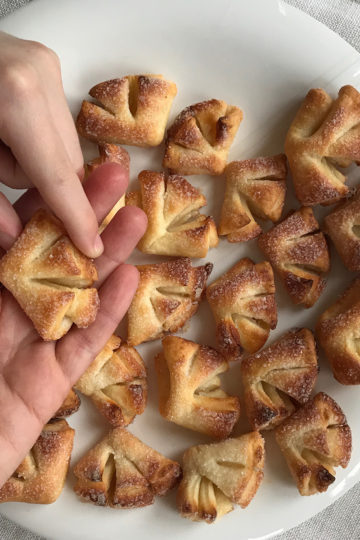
[199, 140]
[243, 303]
[109, 153]
[175, 226]
[253, 187]
[314, 440]
[167, 296]
[343, 227]
[40, 477]
[324, 135]
[338, 332]
[299, 253]
[123, 472]
[279, 377]
[190, 392]
[116, 383]
[217, 476]
[50, 278]
[70, 406]
[132, 110]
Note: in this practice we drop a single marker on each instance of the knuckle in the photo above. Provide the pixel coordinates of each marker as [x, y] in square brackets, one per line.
[41, 52]
[20, 79]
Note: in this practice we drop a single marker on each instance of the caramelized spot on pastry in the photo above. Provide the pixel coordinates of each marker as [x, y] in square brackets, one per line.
[70, 406]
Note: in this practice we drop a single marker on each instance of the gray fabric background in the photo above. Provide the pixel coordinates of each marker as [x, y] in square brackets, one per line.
[340, 521]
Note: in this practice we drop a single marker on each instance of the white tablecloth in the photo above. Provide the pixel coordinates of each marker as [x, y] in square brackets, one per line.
[340, 521]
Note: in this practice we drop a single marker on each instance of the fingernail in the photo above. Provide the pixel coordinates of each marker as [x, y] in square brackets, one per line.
[98, 246]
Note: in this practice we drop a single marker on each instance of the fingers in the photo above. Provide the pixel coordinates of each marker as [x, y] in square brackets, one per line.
[11, 173]
[120, 238]
[80, 346]
[10, 224]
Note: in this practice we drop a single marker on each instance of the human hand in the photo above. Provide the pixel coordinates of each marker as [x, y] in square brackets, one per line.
[35, 376]
[35, 121]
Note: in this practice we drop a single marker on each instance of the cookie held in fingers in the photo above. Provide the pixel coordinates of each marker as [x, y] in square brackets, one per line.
[315, 440]
[40, 477]
[279, 378]
[132, 110]
[254, 187]
[50, 278]
[243, 304]
[298, 252]
[190, 392]
[175, 225]
[199, 140]
[116, 383]
[219, 475]
[123, 472]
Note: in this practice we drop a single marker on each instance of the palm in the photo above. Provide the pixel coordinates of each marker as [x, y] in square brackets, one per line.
[35, 376]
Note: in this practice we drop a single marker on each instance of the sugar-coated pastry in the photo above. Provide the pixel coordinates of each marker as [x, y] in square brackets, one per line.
[199, 140]
[132, 110]
[167, 296]
[243, 304]
[50, 278]
[278, 377]
[123, 472]
[324, 135]
[175, 225]
[116, 383]
[109, 153]
[343, 227]
[314, 440]
[254, 187]
[216, 476]
[338, 332]
[70, 405]
[40, 477]
[190, 392]
[299, 253]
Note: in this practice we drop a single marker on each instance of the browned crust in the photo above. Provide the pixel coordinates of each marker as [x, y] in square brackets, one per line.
[299, 253]
[175, 226]
[132, 110]
[190, 393]
[218, 475]
[123, 472]
[286, 369]
[70, 405]
[338, 332]
[40, 477]
[167, 296]
[254, 187]
[243, 304]
[116, 382]
[50, 278]
[314, 440]
[199, 140]
[324, 134]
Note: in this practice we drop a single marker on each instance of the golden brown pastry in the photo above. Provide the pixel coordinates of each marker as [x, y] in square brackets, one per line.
[123, 472]
[175, 226]
[70, 406]
[324, 135]
[299, 253]
[243, 303]
[343, 227]
[314, 440]
[199, 140]
[132, 110]
[109, 153]
[40, 477]
[167, 296]
[278, 377]
[116, 383]
[338, 332]
[190, 392]
[50, 278]
[218, 475]
[253, 187]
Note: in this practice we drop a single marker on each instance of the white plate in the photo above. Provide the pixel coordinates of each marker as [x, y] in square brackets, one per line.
[262, 56]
